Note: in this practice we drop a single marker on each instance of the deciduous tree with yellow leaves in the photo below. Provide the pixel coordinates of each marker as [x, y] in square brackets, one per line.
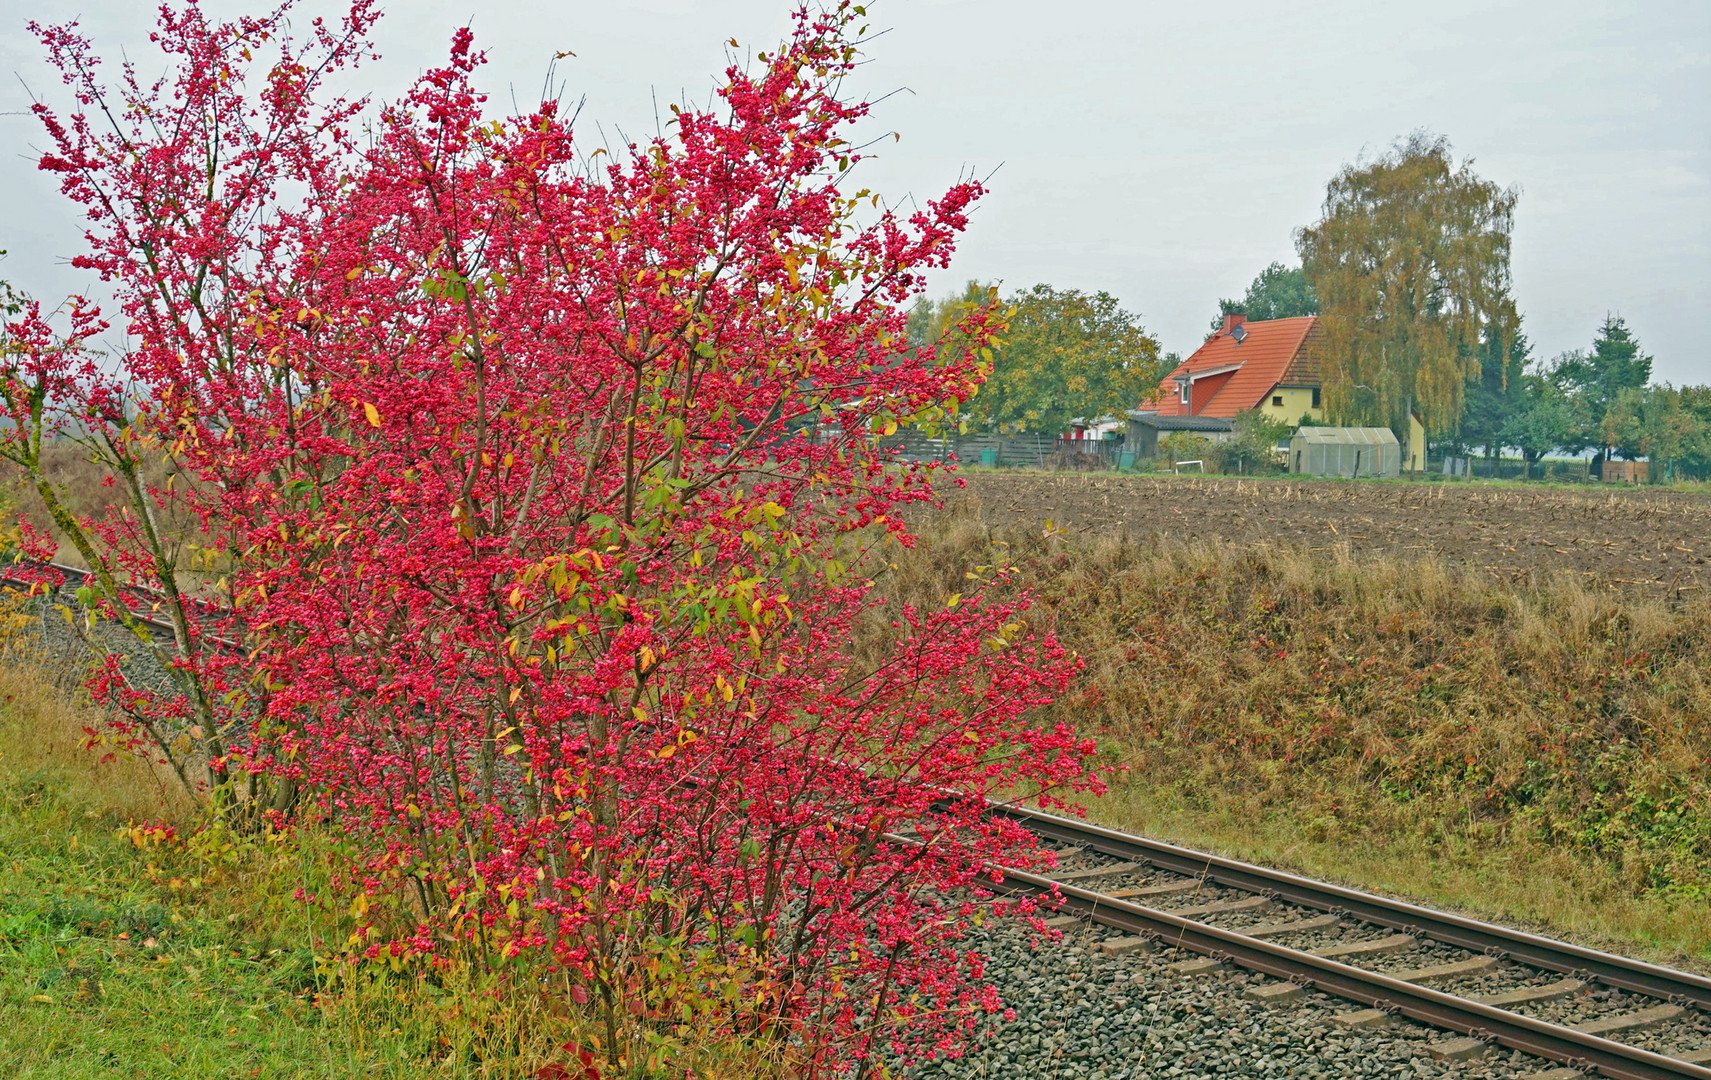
[1411, 266]
[1063, 354]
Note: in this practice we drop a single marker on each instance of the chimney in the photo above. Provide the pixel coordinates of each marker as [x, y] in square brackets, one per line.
[1231, 322]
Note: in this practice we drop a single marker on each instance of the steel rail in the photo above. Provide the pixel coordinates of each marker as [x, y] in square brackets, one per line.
[1487, 1023]
[74, 574]
[1676, 987]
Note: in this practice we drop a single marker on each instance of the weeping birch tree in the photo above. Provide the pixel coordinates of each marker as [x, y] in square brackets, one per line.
[1411, 267]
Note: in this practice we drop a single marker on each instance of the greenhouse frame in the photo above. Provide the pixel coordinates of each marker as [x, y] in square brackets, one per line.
[1345, 451]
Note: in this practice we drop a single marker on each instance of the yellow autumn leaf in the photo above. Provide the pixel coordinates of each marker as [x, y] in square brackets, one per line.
[372, 413]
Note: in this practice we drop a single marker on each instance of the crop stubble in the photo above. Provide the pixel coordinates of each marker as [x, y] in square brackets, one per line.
[1642, 541]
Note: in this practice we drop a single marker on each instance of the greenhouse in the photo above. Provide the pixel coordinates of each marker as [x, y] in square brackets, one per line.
[1345, 451]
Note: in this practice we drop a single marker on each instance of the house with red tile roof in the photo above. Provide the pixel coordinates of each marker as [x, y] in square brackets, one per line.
[1271, 366]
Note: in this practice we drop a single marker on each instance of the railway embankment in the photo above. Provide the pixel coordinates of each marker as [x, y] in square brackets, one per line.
[1532, 748]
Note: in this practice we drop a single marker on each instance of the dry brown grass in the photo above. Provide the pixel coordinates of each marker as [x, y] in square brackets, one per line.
[1538, 752]
[85, 490]
[45, 721]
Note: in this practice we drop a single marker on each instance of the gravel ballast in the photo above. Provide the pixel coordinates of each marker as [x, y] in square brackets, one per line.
[1082, 1014]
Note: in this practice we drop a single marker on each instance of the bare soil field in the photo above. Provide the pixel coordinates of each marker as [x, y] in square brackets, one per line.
[1655, 543]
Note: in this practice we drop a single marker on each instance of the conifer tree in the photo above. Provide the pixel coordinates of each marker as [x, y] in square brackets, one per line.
[1597, 379]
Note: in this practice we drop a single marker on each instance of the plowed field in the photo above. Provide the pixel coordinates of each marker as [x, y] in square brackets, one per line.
[1632, 540]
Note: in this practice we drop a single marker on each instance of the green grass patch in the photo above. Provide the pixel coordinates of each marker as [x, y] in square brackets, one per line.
[139, 939]
[107, 966]
[125, 951]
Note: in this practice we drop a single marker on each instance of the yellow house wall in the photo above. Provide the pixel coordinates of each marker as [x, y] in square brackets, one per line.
[1416, 445]
[1297, 400]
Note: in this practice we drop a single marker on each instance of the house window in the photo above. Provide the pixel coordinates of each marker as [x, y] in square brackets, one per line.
[1315, 397]
[1277, 399]
[1182, 386]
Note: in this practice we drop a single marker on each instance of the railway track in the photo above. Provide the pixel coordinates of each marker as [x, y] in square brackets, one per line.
[143, 604]
[140, 603]
[1589, 1012]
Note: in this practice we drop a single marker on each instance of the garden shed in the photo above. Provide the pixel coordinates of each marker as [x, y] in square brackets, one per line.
[1345, 451]
[1145, 429]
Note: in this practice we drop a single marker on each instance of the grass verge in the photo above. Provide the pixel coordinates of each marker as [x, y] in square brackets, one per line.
[1546, 890]
[127, 951]
[138, 938]
[1535, 754]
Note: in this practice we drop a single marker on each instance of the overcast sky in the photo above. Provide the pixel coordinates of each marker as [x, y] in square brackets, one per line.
[1163, 152]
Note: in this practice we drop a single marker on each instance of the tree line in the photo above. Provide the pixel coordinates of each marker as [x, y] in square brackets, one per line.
[1064, 354]
[1408, 269]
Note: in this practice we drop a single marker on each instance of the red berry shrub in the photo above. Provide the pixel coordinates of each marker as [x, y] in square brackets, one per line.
[540, 481]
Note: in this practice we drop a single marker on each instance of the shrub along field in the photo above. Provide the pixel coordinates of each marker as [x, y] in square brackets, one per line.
[1535, 752]
[1525, 733]
[135, 935]
[1538, 751]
